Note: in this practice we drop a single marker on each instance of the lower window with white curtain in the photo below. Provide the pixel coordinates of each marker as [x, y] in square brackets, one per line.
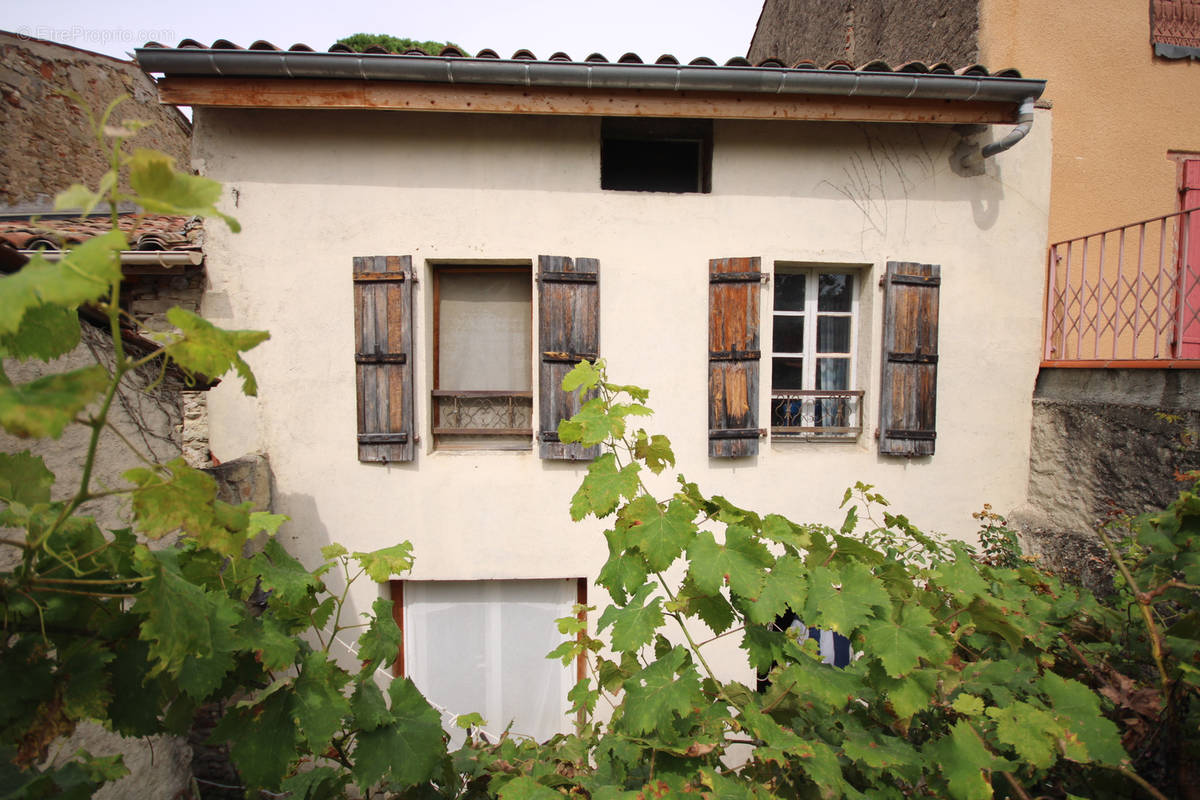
[481, 646]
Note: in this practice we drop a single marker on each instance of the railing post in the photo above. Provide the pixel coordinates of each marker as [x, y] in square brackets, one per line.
[1181, 287]
[1051, 291]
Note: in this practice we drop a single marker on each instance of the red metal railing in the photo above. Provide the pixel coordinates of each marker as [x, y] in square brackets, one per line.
[1126, 294]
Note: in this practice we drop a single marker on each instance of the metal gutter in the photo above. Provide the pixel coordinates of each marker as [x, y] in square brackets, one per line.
[234, 64]
[141, 258]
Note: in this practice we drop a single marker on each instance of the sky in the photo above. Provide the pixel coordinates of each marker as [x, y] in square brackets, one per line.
[719, 29]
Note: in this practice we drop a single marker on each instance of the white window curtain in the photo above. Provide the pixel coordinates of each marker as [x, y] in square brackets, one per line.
[481, 646]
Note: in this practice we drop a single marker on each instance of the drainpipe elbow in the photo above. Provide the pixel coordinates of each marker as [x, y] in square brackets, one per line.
[973, 160]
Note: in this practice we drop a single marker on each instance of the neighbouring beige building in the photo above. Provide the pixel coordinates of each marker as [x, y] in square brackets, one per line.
[793, 261]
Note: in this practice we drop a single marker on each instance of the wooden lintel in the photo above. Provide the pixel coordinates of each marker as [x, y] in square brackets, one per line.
[403, 96]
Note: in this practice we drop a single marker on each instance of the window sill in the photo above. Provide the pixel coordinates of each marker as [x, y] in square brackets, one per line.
[841, 438]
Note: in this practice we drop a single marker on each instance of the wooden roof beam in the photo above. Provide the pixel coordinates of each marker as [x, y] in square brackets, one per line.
[296, 93]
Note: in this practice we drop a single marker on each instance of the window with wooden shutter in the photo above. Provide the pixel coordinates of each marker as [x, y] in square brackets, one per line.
[908, 391]
[383, 295]
[568, 332]
[733, 355]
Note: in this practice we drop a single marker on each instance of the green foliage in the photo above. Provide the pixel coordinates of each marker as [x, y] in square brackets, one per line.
[99, 626]
[359, 42]
[976, 676]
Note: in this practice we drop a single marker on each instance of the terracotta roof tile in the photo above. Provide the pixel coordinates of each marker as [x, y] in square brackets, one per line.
[153, 231]
[874, 65]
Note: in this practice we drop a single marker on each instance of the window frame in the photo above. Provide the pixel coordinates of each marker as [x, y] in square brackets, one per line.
[650, 132]
[395, 592]
[852, 397]
[512, 438]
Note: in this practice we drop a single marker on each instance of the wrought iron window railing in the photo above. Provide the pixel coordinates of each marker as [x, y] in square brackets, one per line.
[480, 413]
[816, 414]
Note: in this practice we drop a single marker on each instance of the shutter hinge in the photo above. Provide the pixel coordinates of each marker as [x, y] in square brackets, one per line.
[918, 435]
[738, 433]
[549, 436]
[549, 276]
[913, 358]
[917, 280]
[380, 358]
[735, 277]
[567, 358]
[383, 438]
[734, 355]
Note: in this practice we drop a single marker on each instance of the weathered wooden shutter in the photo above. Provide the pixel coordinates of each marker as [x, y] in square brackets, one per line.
[733, 356]
[383, 302]
[568, 332]
[908, 394]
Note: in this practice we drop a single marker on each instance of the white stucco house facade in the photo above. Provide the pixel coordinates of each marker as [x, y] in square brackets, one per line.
[791, 259]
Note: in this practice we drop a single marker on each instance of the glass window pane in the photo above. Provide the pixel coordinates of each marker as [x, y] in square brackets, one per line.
[485, 331]
[789, 291]
[787, 373]
[833, 334]
[788, 334]
[834, 291]
[833, 373]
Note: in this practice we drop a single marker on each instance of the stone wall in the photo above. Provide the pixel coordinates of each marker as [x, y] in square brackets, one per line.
[1105, 443]
[48, 144]
[859, 31]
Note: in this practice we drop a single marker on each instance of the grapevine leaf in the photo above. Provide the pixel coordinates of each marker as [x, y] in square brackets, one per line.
[900, 644]
[1029, 730]
[24, 478]
[207, 350]
[655, 451]
[46, 332]
[44, 406]
[842, 599]
[969, 705]
[274, 646]
[961, 578]
[263, 737]
[623, 572]
[184, 501]
[84, 273]
[583, 375]
[282, 575]
[381, 565]
[265, 522]
[190, 630]
[319, 705]
[87, 693]
[317, 783]
[525, 787]
[603, 487]
[1078, 709]
[740, 561]
[964, 761]
[780, 529]
[655, 694]
[659, 535]
[592, 424]
[408, 749]
[635, 623]
[785, 587]
[380, 643]
[764, 647]
[879, 752]
[162, 189]
[713, 609]
[332, 551]
[367, 705]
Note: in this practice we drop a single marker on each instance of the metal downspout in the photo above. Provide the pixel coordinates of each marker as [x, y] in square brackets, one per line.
[972, 162]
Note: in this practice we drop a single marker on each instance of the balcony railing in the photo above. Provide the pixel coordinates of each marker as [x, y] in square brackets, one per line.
[481, 413]
[1125, 294]
[816, 414]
